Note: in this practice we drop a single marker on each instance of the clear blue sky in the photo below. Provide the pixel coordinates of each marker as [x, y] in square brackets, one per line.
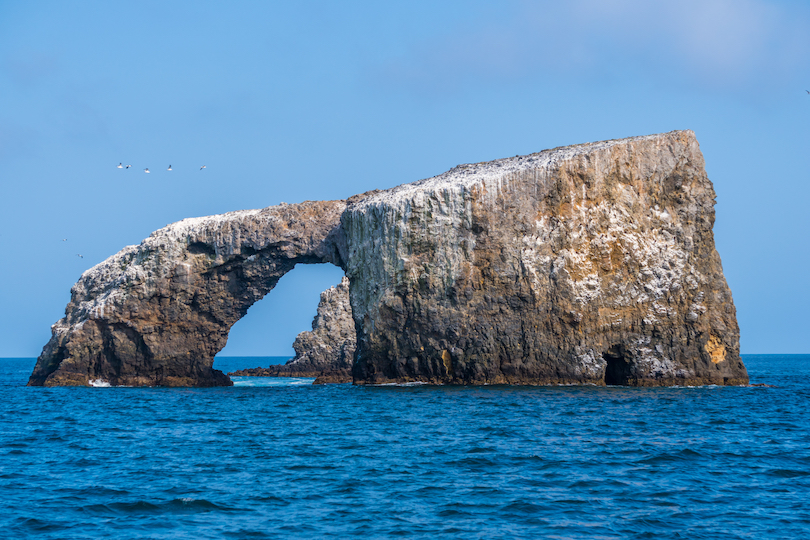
[289, 101]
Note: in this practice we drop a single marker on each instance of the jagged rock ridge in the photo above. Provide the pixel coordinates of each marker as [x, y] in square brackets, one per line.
[592, 263]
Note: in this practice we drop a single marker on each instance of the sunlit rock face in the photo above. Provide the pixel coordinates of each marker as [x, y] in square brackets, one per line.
[592, 263]
[158, 312]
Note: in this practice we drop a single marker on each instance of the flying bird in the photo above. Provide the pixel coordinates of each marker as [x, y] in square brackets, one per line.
[146, 170]
[170, 168]
[79, 255]
[201, 168]
[64, 239]
[120, 165]
[128, 166]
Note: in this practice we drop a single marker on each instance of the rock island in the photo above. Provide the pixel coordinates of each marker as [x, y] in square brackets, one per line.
[586, 264]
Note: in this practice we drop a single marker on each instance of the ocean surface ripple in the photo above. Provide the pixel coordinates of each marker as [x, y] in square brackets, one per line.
[281, 458]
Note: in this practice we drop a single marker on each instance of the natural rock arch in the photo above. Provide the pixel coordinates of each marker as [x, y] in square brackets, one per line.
[591, 263]
[157, 313]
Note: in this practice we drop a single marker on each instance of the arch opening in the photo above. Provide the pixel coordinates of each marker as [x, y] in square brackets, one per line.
[267, 331]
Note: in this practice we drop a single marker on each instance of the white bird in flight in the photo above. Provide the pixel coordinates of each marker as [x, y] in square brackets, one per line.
[146, 170]
[170, 168]
[201, 168]
[128, 166]
[120, 165]
[79, 255]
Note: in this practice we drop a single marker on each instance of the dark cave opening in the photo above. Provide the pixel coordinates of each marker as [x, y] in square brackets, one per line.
[618, 371]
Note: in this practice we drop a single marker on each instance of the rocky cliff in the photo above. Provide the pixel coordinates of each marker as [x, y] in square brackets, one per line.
[158, 312]
[592, 263]
[326, 352]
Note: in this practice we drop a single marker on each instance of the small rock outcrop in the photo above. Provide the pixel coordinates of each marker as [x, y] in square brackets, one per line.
[327, 351]
[587, 264]
[157, 313]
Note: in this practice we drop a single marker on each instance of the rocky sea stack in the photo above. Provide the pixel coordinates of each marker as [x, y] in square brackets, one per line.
[592, 263]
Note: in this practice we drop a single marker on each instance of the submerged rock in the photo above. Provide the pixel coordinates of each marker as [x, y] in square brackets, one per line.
[592, 264]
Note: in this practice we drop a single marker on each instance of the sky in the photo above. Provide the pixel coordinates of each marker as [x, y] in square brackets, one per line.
[294, 101]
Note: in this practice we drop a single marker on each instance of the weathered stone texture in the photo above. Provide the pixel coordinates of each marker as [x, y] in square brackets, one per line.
[585, 264]
[158, 312]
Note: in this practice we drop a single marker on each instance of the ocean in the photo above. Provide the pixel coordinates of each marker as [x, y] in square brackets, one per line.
[281, 458]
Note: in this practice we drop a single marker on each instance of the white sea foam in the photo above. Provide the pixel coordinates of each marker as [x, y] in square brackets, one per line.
[692, 386]
[99, 383]
[414, 383]
[272, 381]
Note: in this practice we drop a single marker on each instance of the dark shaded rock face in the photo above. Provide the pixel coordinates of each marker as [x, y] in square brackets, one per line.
[157, 313]
[592, 263]
[327, 351]
[585, 264]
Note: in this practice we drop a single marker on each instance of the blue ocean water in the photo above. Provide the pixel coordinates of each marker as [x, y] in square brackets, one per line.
[280, 458]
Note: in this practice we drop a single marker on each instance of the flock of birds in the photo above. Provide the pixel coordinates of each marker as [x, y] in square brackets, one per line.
[122, 166]
[146, 170]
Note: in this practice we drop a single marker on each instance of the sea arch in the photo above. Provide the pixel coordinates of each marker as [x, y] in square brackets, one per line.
[157, 313]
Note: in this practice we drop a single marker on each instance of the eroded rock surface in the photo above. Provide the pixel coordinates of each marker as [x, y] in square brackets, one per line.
[592, 263]
[158, 312]
[327, 351]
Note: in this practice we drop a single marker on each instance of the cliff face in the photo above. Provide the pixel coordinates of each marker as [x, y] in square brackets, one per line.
[585, 264]
[326, 352]
[592, 263]
[157, 313]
